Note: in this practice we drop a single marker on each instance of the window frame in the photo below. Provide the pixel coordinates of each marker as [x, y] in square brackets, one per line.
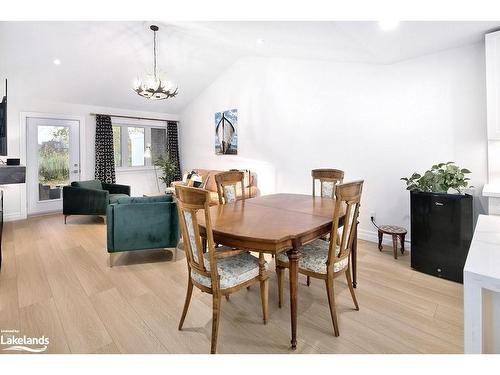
[147, 125]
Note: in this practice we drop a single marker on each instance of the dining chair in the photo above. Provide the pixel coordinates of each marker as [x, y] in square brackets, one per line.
[329, 260]
[227, 183]
[220, 271]
[328, 179]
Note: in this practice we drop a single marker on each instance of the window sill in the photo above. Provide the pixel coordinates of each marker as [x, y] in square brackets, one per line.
[134, 169]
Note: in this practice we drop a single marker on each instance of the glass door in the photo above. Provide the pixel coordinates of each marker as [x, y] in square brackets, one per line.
[53, 161]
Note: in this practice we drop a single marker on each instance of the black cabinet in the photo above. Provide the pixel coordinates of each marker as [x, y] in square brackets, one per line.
[441, 233]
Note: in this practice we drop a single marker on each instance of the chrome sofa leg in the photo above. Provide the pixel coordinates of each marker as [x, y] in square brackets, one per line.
[111, 258]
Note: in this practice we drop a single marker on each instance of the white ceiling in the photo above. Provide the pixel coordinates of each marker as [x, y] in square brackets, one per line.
[101, 59]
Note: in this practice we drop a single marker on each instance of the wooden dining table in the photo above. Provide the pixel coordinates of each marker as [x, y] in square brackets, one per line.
[273, 224]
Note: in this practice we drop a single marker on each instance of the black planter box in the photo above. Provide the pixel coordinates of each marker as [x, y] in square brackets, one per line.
[441, 233]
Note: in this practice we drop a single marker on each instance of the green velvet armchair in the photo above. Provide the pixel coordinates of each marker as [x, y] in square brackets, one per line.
[91, 197]
[142, 223]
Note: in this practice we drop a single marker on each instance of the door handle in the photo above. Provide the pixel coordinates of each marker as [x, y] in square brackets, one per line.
[439, 204]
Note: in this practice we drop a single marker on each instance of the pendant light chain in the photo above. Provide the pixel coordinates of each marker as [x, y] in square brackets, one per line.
[154, 51]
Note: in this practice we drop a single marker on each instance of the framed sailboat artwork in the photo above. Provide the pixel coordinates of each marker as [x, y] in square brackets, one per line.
[226, 132]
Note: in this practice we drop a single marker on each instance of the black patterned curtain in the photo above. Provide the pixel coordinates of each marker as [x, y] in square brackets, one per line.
[104, 155]
[173, 147]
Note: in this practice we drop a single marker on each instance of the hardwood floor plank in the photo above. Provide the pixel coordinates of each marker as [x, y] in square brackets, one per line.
[83, 328]
[130, 333]
[42, 319]
[92, 278]
[9, 304]
[32, 284]
[8, 269]
[156, 314]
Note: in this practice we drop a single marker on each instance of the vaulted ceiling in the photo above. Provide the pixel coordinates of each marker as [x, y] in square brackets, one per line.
[99, 60]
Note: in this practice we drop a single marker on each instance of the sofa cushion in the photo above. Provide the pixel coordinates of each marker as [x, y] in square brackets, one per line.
[91, 184]
[113, 198]
[132, 200]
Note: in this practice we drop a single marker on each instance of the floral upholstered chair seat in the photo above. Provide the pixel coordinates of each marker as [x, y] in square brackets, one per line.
[233, 270]
[314, 257]
[328, 189]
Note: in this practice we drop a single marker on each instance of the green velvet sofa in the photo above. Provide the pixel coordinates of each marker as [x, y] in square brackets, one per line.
[142, 223]
[91, 197]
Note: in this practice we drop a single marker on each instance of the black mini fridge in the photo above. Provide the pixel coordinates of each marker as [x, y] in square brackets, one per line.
[441, 233]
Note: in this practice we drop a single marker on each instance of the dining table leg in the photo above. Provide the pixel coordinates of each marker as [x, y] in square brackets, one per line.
[293, 259]
[354, 257]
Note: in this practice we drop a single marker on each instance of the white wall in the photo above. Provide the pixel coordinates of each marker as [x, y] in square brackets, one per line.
[15, 195]
[376, 122]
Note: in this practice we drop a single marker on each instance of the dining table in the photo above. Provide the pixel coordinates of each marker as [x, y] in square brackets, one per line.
[275, 223]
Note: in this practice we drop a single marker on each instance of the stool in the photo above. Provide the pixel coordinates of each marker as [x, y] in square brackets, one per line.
[396, 232]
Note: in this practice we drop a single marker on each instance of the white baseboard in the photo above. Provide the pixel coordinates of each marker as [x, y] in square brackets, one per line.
[13, 216]
[372, 236]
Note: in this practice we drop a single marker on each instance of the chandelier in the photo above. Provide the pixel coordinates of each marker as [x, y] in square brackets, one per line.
[152, 86]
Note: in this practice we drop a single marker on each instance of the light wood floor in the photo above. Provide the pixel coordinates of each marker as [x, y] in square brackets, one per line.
[55, 282]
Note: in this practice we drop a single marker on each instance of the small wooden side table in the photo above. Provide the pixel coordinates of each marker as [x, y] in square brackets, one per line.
[396, 232]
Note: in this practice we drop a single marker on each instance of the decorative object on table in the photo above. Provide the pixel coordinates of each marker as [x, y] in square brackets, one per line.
[91, 197]
[220, 272]
[104, 151]
[226, 132]
[153, 86]
[328, 178]
[397, 233]
[328, 260]
[155, 224]
[441, 223]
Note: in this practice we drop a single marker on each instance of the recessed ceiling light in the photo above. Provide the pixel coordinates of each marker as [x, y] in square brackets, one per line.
[57, 62]
[388, 25]
[260, 41]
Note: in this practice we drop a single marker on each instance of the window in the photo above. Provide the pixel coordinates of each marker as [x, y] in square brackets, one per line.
[117, 145]
[135, 145]
[130, 141]
[158, 143]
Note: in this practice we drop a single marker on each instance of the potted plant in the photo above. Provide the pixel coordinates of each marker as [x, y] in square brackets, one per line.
[441, 220]
[168, 168]
[441, 178]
